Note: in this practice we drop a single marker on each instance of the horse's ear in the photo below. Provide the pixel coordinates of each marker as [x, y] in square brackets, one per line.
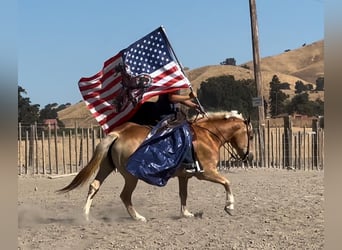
[248, 120]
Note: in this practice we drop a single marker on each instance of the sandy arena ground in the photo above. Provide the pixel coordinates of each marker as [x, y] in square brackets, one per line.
[274, 209]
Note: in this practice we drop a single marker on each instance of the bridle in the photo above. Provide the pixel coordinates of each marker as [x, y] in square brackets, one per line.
[245, 156]
[228, 146]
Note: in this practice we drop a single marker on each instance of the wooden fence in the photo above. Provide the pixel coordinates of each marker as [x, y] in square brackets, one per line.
[53, 151]
[49, 150]
[285, 147]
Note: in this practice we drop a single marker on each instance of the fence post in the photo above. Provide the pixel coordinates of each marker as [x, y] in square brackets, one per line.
[80, 161]
[268, 143]
[299, 150]
[31, 147]
[272, 150]
[322, 149]
[43, 152]
[19, 149]
[49, 147]
[76, 151]
[304, 148]
[295, 152]
[70, 161]
[26, 151]
[315, 126]
[87, 143]
[36, 146]
[287, 141]
[63, 151]
[279, 148]
[93, 139]
[56, 148]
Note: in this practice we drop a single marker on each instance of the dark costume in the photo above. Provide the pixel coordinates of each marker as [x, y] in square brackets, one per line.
[150, 113]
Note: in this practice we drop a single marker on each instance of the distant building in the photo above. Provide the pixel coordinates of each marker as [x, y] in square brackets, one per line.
[50, 122]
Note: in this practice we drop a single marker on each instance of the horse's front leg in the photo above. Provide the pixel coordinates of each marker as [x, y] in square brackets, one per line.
[183, 194]
[126, 197]
[214, 176]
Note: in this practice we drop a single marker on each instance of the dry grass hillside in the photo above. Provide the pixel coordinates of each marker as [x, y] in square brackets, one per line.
[197, 76]
[77, 114]
[305, 63]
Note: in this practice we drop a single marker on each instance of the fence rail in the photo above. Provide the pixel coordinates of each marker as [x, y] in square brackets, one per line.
[60, 151]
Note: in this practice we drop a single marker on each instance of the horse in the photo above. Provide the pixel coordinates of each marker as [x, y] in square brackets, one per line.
[210, 133]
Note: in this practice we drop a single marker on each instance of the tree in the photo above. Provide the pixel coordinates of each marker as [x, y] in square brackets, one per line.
[226, 93]
[320, 84]
[277, 99]
[245, 66]
[300, 87]
[27, 113]
[302, 105]
[50, 111]
[229, 61]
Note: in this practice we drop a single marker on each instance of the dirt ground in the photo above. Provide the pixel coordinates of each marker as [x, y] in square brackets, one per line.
[274, 209]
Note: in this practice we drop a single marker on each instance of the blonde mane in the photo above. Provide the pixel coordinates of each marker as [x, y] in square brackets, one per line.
[223, 114]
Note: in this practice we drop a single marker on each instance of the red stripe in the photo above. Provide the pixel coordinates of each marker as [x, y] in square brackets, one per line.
[112, 59]
[121, 120]
[86, 79]
[168, 84]
[165, 74]
[101, 101]
[101, 74]
[112, 116]
[99, 92]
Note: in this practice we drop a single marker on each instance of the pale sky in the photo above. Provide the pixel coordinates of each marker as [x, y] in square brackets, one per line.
[58, 42]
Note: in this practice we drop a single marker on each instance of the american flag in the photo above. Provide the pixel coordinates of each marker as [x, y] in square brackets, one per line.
[150, 57]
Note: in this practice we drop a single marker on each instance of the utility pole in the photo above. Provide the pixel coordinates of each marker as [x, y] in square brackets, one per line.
[257, 75]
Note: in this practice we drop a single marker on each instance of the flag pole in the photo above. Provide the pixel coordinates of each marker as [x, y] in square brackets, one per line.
[181, 66]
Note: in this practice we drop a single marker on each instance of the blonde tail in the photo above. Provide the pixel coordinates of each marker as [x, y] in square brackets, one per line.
[93, 165]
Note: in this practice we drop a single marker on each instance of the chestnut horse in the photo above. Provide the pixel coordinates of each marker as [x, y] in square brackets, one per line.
[210, 133]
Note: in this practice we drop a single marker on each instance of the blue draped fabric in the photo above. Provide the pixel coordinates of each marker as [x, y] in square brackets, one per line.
[157, 158]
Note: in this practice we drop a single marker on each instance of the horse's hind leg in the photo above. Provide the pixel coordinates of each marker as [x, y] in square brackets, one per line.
[126, 197]
[105, 169]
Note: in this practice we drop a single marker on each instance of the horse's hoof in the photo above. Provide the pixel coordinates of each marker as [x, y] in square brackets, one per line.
[86, 217]
[229, 210]
[187, 214]
[141, 218]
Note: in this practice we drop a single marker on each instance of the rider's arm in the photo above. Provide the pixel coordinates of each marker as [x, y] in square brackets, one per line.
[186, 100]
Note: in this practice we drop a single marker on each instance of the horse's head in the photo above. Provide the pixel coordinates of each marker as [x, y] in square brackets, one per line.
[231, 128]
[241, 141]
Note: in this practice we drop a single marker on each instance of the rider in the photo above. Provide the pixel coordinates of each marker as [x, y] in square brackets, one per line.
[150, 113]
